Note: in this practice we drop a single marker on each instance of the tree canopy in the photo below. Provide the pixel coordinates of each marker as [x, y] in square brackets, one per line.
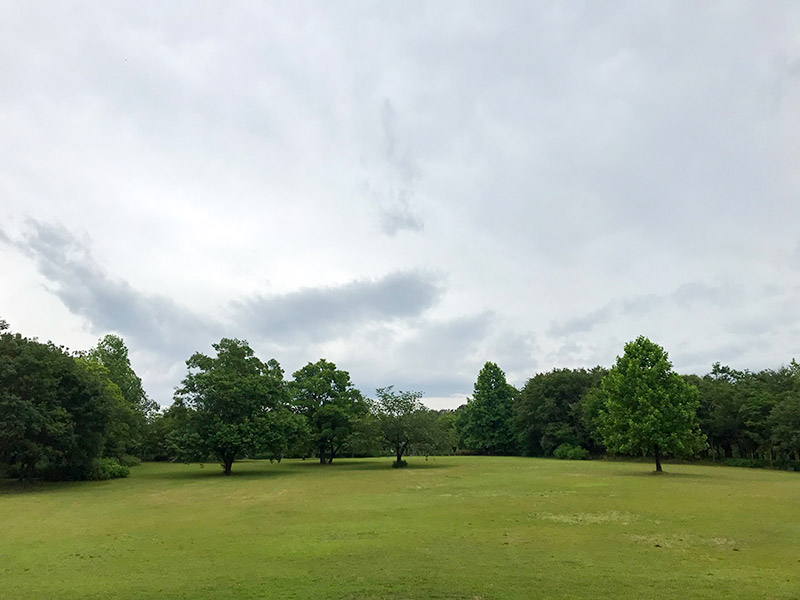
[404, 420]
[486, 422]
[648, 408]
[333, 406]
[239, 405]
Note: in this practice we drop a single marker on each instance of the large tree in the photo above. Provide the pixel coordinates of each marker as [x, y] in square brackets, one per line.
[112, 353]
[333, 406]
[237, 403]
[135, 408]
[55, 410]
[648, 408]
[486, 422]
[549, 410]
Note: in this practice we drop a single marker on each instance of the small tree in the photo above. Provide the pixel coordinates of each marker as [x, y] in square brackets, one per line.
[403, 420]
[649, 408]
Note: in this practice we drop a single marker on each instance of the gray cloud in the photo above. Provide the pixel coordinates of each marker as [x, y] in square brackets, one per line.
[321, 313]
[395, 189]
[108, 304]
[581, 324]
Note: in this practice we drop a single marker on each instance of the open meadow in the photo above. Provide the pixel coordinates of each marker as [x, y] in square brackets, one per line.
[454, 527]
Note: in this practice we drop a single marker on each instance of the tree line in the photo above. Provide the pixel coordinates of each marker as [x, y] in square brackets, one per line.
[638, 407]
[85, 415]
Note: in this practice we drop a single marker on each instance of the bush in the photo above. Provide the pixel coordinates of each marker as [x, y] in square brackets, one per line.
[399, 464]
[570, 452]
[107, 468]
[128, 460]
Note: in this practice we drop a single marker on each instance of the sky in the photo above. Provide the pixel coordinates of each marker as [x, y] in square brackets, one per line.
[407, 189]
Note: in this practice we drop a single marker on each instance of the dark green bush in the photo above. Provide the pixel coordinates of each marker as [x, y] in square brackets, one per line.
[399, 464]
[107, 468]
[570, 452]
[128, 460]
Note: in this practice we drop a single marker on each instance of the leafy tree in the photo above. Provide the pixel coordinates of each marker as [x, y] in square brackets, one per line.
[112, 353]
[548, 411]
[238, 406]
[404, 421]
[55, 411]
[486, 422]
[333, 406]
[648, 407]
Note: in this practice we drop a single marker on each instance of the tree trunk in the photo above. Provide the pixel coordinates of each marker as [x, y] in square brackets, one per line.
[657, 453]
[227, 463]
[399, 453]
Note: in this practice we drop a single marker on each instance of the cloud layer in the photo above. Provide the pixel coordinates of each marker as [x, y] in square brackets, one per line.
[407, 192]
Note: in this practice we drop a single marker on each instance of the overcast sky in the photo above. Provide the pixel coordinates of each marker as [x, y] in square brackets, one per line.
[408, 189]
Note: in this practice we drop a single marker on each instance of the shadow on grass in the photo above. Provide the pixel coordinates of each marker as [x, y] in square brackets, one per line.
[14, 487]
[355, 464]
[214, 471]
[663, 474]
[242, 470]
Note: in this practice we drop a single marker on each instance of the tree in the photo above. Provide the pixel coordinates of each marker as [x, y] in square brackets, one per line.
[549, 410]
[333, 406]
[486, 423]
[238, 405]
[649, 408]
[55, 411]
[404, 421]
[112, 353]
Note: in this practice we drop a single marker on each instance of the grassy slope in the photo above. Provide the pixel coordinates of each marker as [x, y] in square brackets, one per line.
[461, 527]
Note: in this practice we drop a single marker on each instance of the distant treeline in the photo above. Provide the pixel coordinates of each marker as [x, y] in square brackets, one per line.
[748, 418]
[66, 415]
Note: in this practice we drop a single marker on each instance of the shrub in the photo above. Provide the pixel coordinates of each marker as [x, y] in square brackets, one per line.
[107, 468]
[570, 452]
[128, 460]
[399, 464]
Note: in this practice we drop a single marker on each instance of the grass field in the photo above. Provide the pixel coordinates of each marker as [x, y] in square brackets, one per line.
[459, 527]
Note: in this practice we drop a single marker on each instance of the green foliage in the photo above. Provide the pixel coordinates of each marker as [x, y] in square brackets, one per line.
[112, 353]
[549, 410]
[570, 452]
[485, 425]
[236, 406]
[134, 408]
[129, 460]
[649, 408]
[107, 468]
[400, 464]
[404, 422]
[333, 406]
[56, 411]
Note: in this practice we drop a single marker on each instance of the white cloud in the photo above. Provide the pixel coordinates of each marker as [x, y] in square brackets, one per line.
[572, 174]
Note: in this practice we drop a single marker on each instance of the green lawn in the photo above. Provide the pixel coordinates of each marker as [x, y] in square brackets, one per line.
[459, 527]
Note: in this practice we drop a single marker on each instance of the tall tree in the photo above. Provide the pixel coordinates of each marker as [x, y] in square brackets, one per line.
[238, 405]
[112, 353]
[648, 407]
[327, 398]
[486, 422]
